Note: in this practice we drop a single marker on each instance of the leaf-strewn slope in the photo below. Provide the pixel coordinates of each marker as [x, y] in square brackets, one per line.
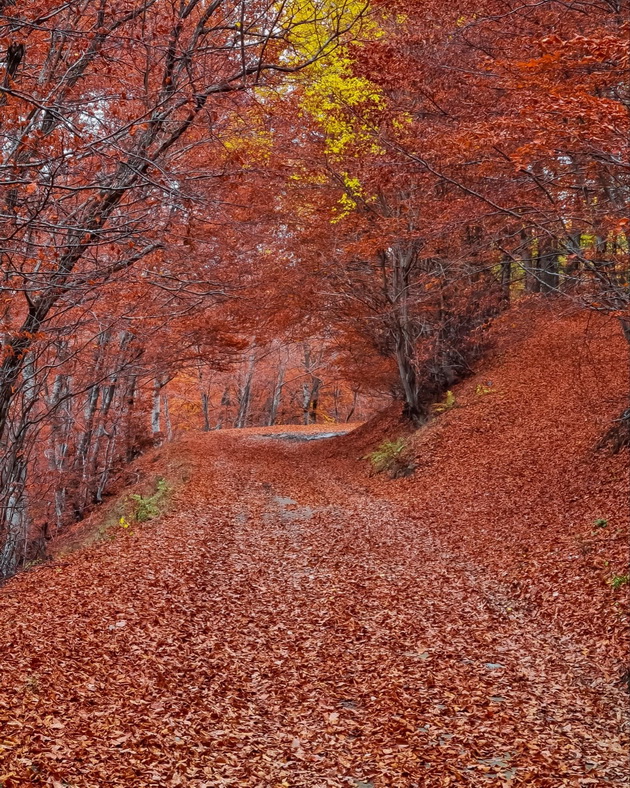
[295, 622]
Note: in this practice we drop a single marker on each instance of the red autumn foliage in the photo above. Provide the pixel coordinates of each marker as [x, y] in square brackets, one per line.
[228, 232]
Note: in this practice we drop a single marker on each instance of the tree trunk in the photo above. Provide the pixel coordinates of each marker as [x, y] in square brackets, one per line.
[529, 262]
[413, 410]
[205, 410]
[403, 260]
[167, 418]
[156, 408]
[226, 403]
[61, 426]
[618, 436]
[246, 392]
[353, 407]
[315, 389]
[548, 268]
[129, 408]
[506, 280]
[13, 514]
[277, 394]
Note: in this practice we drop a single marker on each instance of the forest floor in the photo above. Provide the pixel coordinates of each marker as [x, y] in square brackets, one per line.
[293, 620]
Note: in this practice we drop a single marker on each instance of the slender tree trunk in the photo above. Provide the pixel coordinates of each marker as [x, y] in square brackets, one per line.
[277, 393]
[91, 406]
[549, 270]
[226, 402]
[204, 393]
[105, 435]
[156, 409]
[315, 389]
[405, 357]
[107, 465]
[336, 398]
[355, 398]
[130, 405]
[506, 280]
[13, 514]
[532, 283]
[205, 410]
[306, 402]
[61, 426]
[246, 392]
[311, 386]
[167, 418]
[409, 379]
[82, 460]
[403, 259]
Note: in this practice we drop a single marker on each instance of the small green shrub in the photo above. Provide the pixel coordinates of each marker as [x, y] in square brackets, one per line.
[383, 457]
[390, 457]
[148, 507]
[600, 523]
[619, 581]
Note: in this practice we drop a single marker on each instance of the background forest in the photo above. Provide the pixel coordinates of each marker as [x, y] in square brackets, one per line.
[237, 213]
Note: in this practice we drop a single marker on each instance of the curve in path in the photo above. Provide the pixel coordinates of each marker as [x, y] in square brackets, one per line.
[287, 627]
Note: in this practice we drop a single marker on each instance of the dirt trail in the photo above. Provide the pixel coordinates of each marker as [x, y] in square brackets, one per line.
[287, 627]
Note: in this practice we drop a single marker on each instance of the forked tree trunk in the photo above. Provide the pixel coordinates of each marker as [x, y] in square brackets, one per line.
[413, 408]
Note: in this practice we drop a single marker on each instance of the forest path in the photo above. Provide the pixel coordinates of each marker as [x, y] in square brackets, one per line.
[286, 626]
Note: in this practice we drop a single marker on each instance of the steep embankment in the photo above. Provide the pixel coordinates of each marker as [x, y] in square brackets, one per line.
[295, 622]
[512, 476]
